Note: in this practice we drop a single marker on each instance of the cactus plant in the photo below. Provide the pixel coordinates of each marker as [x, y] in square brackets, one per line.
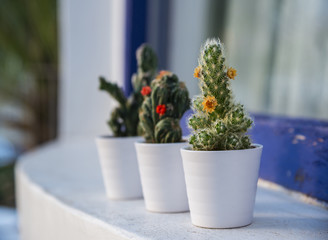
[219, 123]
[163, 108]
[124, 120]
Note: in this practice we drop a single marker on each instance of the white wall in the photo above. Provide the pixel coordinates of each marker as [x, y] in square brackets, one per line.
[188, 33]
[91, 44]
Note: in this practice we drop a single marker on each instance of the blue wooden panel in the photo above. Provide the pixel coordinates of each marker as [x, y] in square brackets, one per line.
[295, 153]
[135, 35]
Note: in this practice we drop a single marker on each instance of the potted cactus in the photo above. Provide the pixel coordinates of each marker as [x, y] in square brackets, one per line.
[159, 157]
[221, 166]
[117, 152]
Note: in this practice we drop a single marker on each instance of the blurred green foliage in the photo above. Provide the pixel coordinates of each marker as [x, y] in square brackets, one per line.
[28, 77]
[28, 66]
[7, 186]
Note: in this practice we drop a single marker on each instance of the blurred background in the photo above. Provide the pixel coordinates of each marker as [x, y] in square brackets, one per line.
[28, 82]
[52, 52]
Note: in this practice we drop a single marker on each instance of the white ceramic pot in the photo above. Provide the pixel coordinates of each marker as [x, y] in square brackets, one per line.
[221, 186]
[119, 167]
[162, 178]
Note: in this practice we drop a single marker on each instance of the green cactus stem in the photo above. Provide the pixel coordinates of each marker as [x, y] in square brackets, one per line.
[163, 108]
[219, 123]
[124, 120]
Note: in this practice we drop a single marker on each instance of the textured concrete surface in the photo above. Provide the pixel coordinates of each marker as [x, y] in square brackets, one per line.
[65, 176]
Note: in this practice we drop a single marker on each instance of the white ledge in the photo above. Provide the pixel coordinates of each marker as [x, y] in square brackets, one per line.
[61, 196]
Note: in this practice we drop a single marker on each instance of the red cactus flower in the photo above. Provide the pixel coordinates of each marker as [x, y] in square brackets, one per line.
[161, 109]
[145, 91]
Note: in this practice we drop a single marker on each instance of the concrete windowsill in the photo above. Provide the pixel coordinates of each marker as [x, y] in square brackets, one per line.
[61, 196]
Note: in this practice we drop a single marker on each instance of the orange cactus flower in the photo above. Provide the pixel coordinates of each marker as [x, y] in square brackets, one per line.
[161, 109]
[232, 73]
[209, 104]
[162, 73]
[145, 91]
[197, 72]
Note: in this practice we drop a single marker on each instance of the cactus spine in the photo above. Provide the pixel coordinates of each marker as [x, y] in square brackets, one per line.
[219, 123]
[163, 108]
[124, 119]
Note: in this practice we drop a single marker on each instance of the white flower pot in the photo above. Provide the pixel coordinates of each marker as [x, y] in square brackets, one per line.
[162, 177]
[119, 167]
[221, 186]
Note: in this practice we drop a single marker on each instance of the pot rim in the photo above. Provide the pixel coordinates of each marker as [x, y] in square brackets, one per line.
[118, 138]
[256, 147]
[143, 143]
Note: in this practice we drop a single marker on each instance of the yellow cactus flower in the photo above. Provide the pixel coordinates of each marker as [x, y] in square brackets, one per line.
[209, 104]
[232, 73]
[197, 72]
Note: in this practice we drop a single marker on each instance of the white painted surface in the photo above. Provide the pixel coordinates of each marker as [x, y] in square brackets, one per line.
[119, 166]
[221, 186]
[117, 41]
[187, 34]
[91, 45]
[162, 177]
[61, 196]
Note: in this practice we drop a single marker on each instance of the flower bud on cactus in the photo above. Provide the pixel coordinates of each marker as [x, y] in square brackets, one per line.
[219, 123]
[162, 110]
[124, 120]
